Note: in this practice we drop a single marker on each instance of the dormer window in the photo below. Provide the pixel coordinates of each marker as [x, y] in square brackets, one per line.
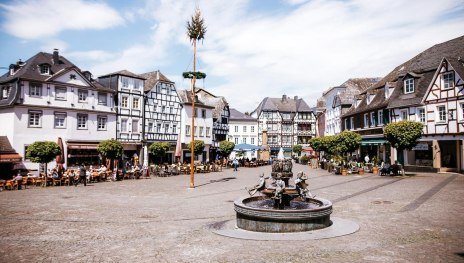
[408, 86]
[44, 69]
[356, 104]
[448, 80]
[369, 98]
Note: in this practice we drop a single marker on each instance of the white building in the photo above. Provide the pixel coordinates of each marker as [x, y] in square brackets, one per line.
[203, 125]
[47, 97]
[129, 108]
[243, 129]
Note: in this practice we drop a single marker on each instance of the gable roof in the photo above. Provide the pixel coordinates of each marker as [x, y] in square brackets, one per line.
[151, 78]
[125, 73]
[284, 104]
[186, 98]
[236, 115]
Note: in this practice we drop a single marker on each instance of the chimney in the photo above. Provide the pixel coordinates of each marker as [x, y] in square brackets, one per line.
[56, 56]
[284, 98]
[295, 98]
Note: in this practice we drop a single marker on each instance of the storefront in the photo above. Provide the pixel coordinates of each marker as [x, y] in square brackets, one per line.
[378, 149]
[82, 152]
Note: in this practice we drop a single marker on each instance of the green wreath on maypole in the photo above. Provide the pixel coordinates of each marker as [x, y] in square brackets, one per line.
[191, 74]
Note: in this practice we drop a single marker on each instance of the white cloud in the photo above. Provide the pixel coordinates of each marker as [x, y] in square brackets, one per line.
[250, 54]
[92, 55]
[34, 19]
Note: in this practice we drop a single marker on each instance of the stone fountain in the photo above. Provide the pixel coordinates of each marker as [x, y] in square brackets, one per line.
[282, 207]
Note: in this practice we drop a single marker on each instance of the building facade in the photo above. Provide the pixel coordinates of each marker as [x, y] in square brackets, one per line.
[288, 122]
[243, 129]
[129, 88]
[46, 98]
[162, 111]
[203, 118]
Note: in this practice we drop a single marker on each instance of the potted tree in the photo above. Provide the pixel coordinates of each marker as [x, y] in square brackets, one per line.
[112, 150]
[297, 149]
[346, 142]
[43, 152]
[159, 149]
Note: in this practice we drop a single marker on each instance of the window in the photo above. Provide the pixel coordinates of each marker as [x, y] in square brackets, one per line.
[286, 127]
[125, 82]
[286, 116]
[174, 129]
[236, 128]
[60, 93]
[158, 128]
[236, 140]
[404, 115]
[82, 95]
[195, 113]
[101, 123]
[135, 103]
[252, 128]
[124, 102]
[366, 120]
[150, 127]
[60, 120]
[35, 118]
[387, 92]
[137, 84]
[102, 99]
[351, 123]
[409, 86]
[195, 131]
[252, 140]
[373, 122]
[244, 128]
[380, 117]
[201, 131]
[244, 140]
[135, 125]
[44, 69]
[421, 115]
[163, 109]
[347, 127]
[171, 110]
[166, 128]
[462, 111]
[82, 121]
[124, 125]
[448, 80]
[203, 114]
[187, 129]
[207, 131]
[35, 89]
[441, 113]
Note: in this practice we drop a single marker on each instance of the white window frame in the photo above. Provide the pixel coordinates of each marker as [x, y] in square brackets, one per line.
[135, 103]
[236, 140]
[187, 130]
[352, 123]
[380, 118]
[373, 124]
[252, 140]
[79, 123]
[244, 128]
[208, 129]
[252, 128]
[34, 88]
[102, 123]
[61, 90]
[461, 116]
[236, 128]
[158, 128]
[125, 102]
[135, 128]
[36, 118]
[409, 86]
[166, 128]
[440, 115]
[83, 98]
[44, 69]
[102, 95]
[419, 115]
[56, 118]
[446, 82]
[174, 129]
[202, 131]
[124, 125]
[150, 126]
[404, 113]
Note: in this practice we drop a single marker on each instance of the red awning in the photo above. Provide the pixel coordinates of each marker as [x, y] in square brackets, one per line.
[10, 158]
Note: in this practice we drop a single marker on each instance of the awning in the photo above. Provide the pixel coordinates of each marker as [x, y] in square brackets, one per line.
[87, 146]
[373, 141]
[10, 158]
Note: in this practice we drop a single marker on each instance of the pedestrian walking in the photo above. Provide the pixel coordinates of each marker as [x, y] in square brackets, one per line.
[235, 164]
[82, 175]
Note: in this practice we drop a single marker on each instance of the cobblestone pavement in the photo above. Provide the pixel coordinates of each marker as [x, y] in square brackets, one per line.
[415, 218]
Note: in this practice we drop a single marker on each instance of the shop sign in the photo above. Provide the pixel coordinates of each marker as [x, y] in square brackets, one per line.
[421, 147]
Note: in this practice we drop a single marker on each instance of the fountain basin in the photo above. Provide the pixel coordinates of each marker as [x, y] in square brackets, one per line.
[257, 214]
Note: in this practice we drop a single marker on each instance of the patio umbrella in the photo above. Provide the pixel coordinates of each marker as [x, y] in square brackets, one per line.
[60, 157]
[178, 148]
[246, 147]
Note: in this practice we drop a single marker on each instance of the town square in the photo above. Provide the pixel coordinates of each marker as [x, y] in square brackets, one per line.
[193, 131]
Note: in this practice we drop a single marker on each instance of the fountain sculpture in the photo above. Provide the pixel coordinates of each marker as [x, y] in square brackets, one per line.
[282, 207]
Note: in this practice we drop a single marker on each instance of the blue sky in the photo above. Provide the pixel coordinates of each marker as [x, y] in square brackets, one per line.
[252, 49]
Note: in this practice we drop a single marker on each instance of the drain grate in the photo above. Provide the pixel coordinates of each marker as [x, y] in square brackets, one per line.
[378, 202]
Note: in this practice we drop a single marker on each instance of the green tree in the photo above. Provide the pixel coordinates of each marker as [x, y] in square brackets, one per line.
[159, 149]
[226, 147]
[297, 149]
[198, 147]
[403, 135]
[346, 142]
[43, 152]
[110, 149]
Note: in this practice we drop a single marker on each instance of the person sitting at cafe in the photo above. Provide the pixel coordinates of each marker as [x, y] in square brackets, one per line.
[102, 169]
[385, 169]
[17, 180]
[55, 174]
[395, 168]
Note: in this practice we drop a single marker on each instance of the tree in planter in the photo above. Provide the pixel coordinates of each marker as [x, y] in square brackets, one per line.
[226, 148]
[198, 147]
[403, 135]
[346, 142]
[159, 149]
[110, 149]
[43, 152]
[297, 149]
